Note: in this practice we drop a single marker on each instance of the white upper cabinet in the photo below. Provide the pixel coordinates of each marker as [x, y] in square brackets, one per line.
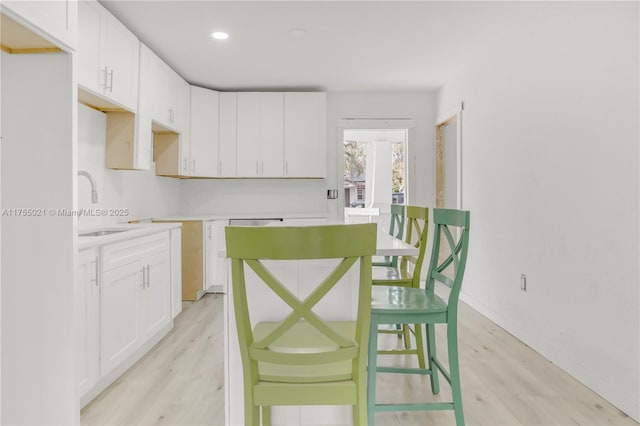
[170, 92]
[203, 137]
[305, 135]
[55, 20]
[108, 57]
[227, 148]
[260, 134]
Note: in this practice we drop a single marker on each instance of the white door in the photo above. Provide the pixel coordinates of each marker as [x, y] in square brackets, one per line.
[248, 134]
[119, 314]
[90, 75]
[204, 132]
[271, 134]
[305, 130]
[227, 166]
[122, 50]
[155, 294]
[87, 311]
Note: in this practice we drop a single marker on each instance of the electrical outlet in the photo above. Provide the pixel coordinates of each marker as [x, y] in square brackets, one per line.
[523, 282]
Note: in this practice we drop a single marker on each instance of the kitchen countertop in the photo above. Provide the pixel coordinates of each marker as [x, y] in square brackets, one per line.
[226, 216]
[133, 230]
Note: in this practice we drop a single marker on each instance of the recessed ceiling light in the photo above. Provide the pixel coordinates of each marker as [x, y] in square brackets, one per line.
[219, 35]
[297, 32]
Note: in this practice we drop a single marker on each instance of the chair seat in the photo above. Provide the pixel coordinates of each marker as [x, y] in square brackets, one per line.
[391, 299]
[304, 338]
[391, 276]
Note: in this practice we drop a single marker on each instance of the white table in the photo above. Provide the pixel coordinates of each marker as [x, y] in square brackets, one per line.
[342, 299]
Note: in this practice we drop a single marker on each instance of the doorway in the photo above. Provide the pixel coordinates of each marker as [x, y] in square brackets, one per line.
[374, 170]
[449, 162]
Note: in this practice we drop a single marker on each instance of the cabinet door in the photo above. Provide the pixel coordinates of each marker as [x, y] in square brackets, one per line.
[90, 30]
[227, 135]
[219, 263]
[248, 134]
[144, 135]
[271, 134]
[159, 80]
[155, 294]
[176, 272]
[204, 132]
[119, 315]
[55, 18]
[180, 110]
[209, 256]
[87, 311]
[122, 62]
[305, 129]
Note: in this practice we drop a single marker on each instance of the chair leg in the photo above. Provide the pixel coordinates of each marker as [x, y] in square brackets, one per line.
[454, 371]
[371, 372]
[266, 415]
[430, 330]
[419, 345]
[407, 336]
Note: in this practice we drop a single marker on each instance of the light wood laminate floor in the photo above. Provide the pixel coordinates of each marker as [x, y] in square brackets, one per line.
[504, 382]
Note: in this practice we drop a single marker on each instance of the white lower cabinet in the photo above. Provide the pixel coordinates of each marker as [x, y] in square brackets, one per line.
[118, 314]
[216, 262]
[87, 320]
[123, 307]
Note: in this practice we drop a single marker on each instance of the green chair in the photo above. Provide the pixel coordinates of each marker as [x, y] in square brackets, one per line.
[396, 229]
[408, 305]
[303, 359]
[417, 226]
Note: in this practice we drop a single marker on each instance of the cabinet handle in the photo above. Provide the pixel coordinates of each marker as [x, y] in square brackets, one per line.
[94, 279]
[144, 276]
[209, 233]
[185, 165]
[111, 81]
[148, 281]
[106, 72]
[170, 115]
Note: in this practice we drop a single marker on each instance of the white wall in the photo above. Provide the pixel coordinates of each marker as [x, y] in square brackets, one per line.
[550, 173]
[255, 196]
[419, 106]
[142, 192]
[38, 159]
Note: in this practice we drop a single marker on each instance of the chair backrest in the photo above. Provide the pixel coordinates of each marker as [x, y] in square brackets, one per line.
[416, 235]
[251, 245]
[354, 214]
[448, 260]
[396, 226]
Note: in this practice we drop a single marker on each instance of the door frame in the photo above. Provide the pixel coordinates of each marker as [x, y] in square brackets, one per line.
[377, 124]
[453, 116]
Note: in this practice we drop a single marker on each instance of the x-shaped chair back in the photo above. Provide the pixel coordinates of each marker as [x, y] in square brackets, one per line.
[448, 260]
[251, 245]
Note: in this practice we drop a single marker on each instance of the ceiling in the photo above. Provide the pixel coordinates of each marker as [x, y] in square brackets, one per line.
[347, 45]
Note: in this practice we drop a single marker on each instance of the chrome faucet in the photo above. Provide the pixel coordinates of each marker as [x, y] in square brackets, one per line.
[94, 192]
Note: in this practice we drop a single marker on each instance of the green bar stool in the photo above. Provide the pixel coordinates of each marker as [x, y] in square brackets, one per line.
[396, 229]
[302, 359]
[407, 274]
[409, 305]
